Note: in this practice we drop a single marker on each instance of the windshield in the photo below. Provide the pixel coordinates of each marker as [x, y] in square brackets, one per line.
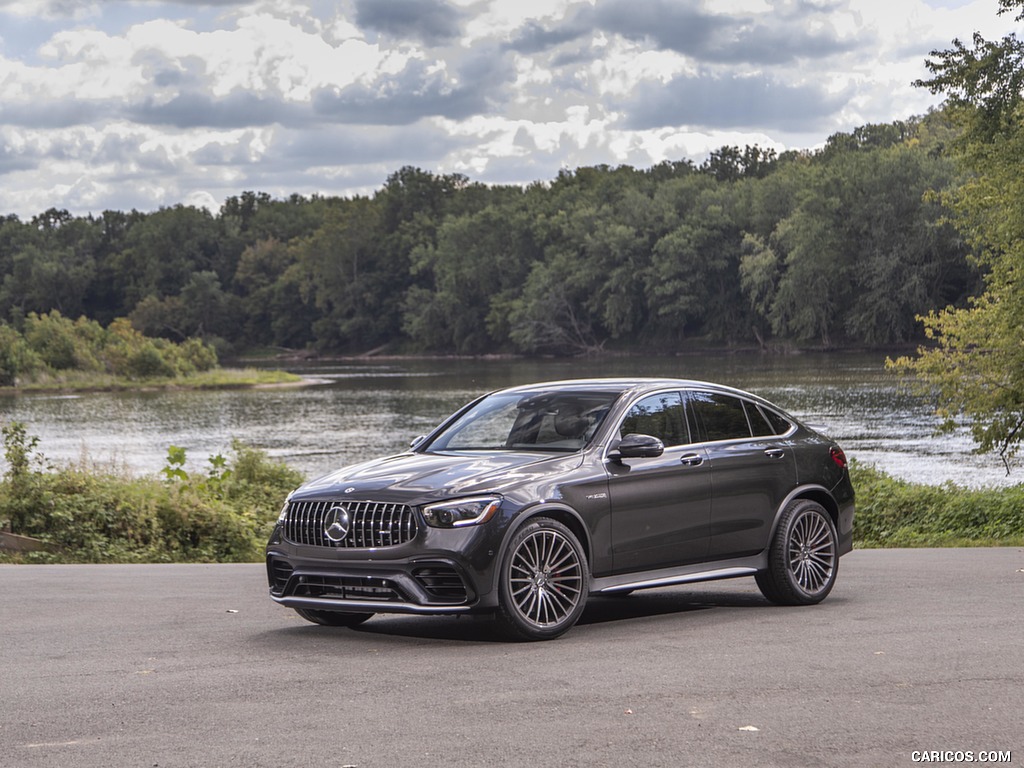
[559, 421]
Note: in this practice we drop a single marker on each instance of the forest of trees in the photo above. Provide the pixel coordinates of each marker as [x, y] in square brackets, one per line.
[842, 246]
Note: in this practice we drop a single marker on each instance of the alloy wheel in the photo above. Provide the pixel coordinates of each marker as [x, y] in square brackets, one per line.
[546, 578]
[811, 551]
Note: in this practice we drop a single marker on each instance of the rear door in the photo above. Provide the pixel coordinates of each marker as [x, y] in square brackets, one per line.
[660, 506]
[753, 470]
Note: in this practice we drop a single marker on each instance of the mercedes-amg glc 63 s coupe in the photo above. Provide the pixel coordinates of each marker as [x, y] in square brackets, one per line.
[529, 500]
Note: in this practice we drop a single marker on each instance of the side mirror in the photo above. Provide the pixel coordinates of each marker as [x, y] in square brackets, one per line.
[637, 447]
[416, 441]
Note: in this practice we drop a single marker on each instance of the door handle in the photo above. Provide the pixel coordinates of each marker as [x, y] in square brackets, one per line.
[774, 453]
[691, 459]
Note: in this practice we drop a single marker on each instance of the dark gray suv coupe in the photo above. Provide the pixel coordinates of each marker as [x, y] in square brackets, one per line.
[530, 499]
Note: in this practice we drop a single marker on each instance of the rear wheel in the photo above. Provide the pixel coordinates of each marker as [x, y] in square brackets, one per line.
[544, 582]
[333, 618]
[802, 559]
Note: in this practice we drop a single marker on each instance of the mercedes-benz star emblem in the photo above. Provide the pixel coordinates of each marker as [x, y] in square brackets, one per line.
[337, 523]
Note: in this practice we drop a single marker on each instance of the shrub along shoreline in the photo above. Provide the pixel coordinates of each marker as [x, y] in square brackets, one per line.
[101, 515]
[55, 353]
[896, 513]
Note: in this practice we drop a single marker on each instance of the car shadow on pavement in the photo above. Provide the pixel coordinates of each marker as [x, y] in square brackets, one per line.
[480, 629]
[660, 603]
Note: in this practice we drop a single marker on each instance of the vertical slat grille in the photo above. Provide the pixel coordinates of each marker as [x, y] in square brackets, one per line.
[278, 572]
[370, 524]
[441, 581]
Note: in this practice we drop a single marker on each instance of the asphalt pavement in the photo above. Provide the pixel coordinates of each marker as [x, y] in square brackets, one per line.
[915, 651]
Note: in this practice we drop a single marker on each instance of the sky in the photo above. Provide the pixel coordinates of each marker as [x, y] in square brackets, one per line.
[142, 104]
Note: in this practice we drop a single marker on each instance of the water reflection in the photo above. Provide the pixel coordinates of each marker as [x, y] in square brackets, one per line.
[365, 409]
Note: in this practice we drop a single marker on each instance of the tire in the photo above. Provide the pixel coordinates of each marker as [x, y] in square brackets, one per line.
[802, 559]
[333, 618]
[544, 582]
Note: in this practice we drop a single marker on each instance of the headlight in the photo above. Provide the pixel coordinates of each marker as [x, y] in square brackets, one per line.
[284, 512]
[455, 514]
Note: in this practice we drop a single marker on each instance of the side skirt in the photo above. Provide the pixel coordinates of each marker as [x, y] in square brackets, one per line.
[664, 577]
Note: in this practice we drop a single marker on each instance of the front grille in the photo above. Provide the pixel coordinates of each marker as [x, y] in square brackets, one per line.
[370, 524]
[346, 588]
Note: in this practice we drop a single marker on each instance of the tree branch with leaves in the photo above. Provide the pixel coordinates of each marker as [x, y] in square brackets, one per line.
[975, 366]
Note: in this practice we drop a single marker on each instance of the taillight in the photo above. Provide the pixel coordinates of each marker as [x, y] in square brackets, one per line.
[838, 457]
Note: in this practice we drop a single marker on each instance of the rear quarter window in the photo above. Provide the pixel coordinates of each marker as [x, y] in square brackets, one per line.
[759, 423]
[780, 424]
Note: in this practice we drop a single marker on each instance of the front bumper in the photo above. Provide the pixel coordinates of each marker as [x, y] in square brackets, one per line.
[440, 572]
[427, 586]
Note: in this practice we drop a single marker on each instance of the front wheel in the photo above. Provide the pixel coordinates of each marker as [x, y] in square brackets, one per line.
[802, 559]
[333, 618]
[544, 582]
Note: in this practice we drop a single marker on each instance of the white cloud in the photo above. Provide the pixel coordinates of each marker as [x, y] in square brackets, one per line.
[50, 9]
[500, 18]
[624, 65]
[135, 105]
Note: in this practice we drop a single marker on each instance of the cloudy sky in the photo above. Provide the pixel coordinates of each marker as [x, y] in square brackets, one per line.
[121, 104]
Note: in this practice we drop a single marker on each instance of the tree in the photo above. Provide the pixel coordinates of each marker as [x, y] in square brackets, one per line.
[760, 268]
[692, 278]
[907, 259]
[348, 280]
[49, 265]
[729, 164]
[164, 249]
[811, 291]
[270, 281]
[479, 259]
[976, 366]
[983, 84]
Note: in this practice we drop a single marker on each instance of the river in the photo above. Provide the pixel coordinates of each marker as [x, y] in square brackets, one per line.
[359, 410]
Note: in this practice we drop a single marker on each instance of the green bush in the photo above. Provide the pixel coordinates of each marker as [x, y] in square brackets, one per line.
[25, 495]
[128, 353]
[17, 359]
[96, 516]
[64, 344]
[53, 344]
[146, 362]
[896, 513]
[195, 356]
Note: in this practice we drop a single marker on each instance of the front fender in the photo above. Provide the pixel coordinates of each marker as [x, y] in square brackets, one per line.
[563, 513]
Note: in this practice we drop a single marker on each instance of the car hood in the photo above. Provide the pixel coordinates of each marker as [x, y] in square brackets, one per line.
[419, 478]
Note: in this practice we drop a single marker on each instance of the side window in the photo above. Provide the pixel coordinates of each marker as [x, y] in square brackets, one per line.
[759, 425]
[780, 424]
[660, 416]
[723, 416]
